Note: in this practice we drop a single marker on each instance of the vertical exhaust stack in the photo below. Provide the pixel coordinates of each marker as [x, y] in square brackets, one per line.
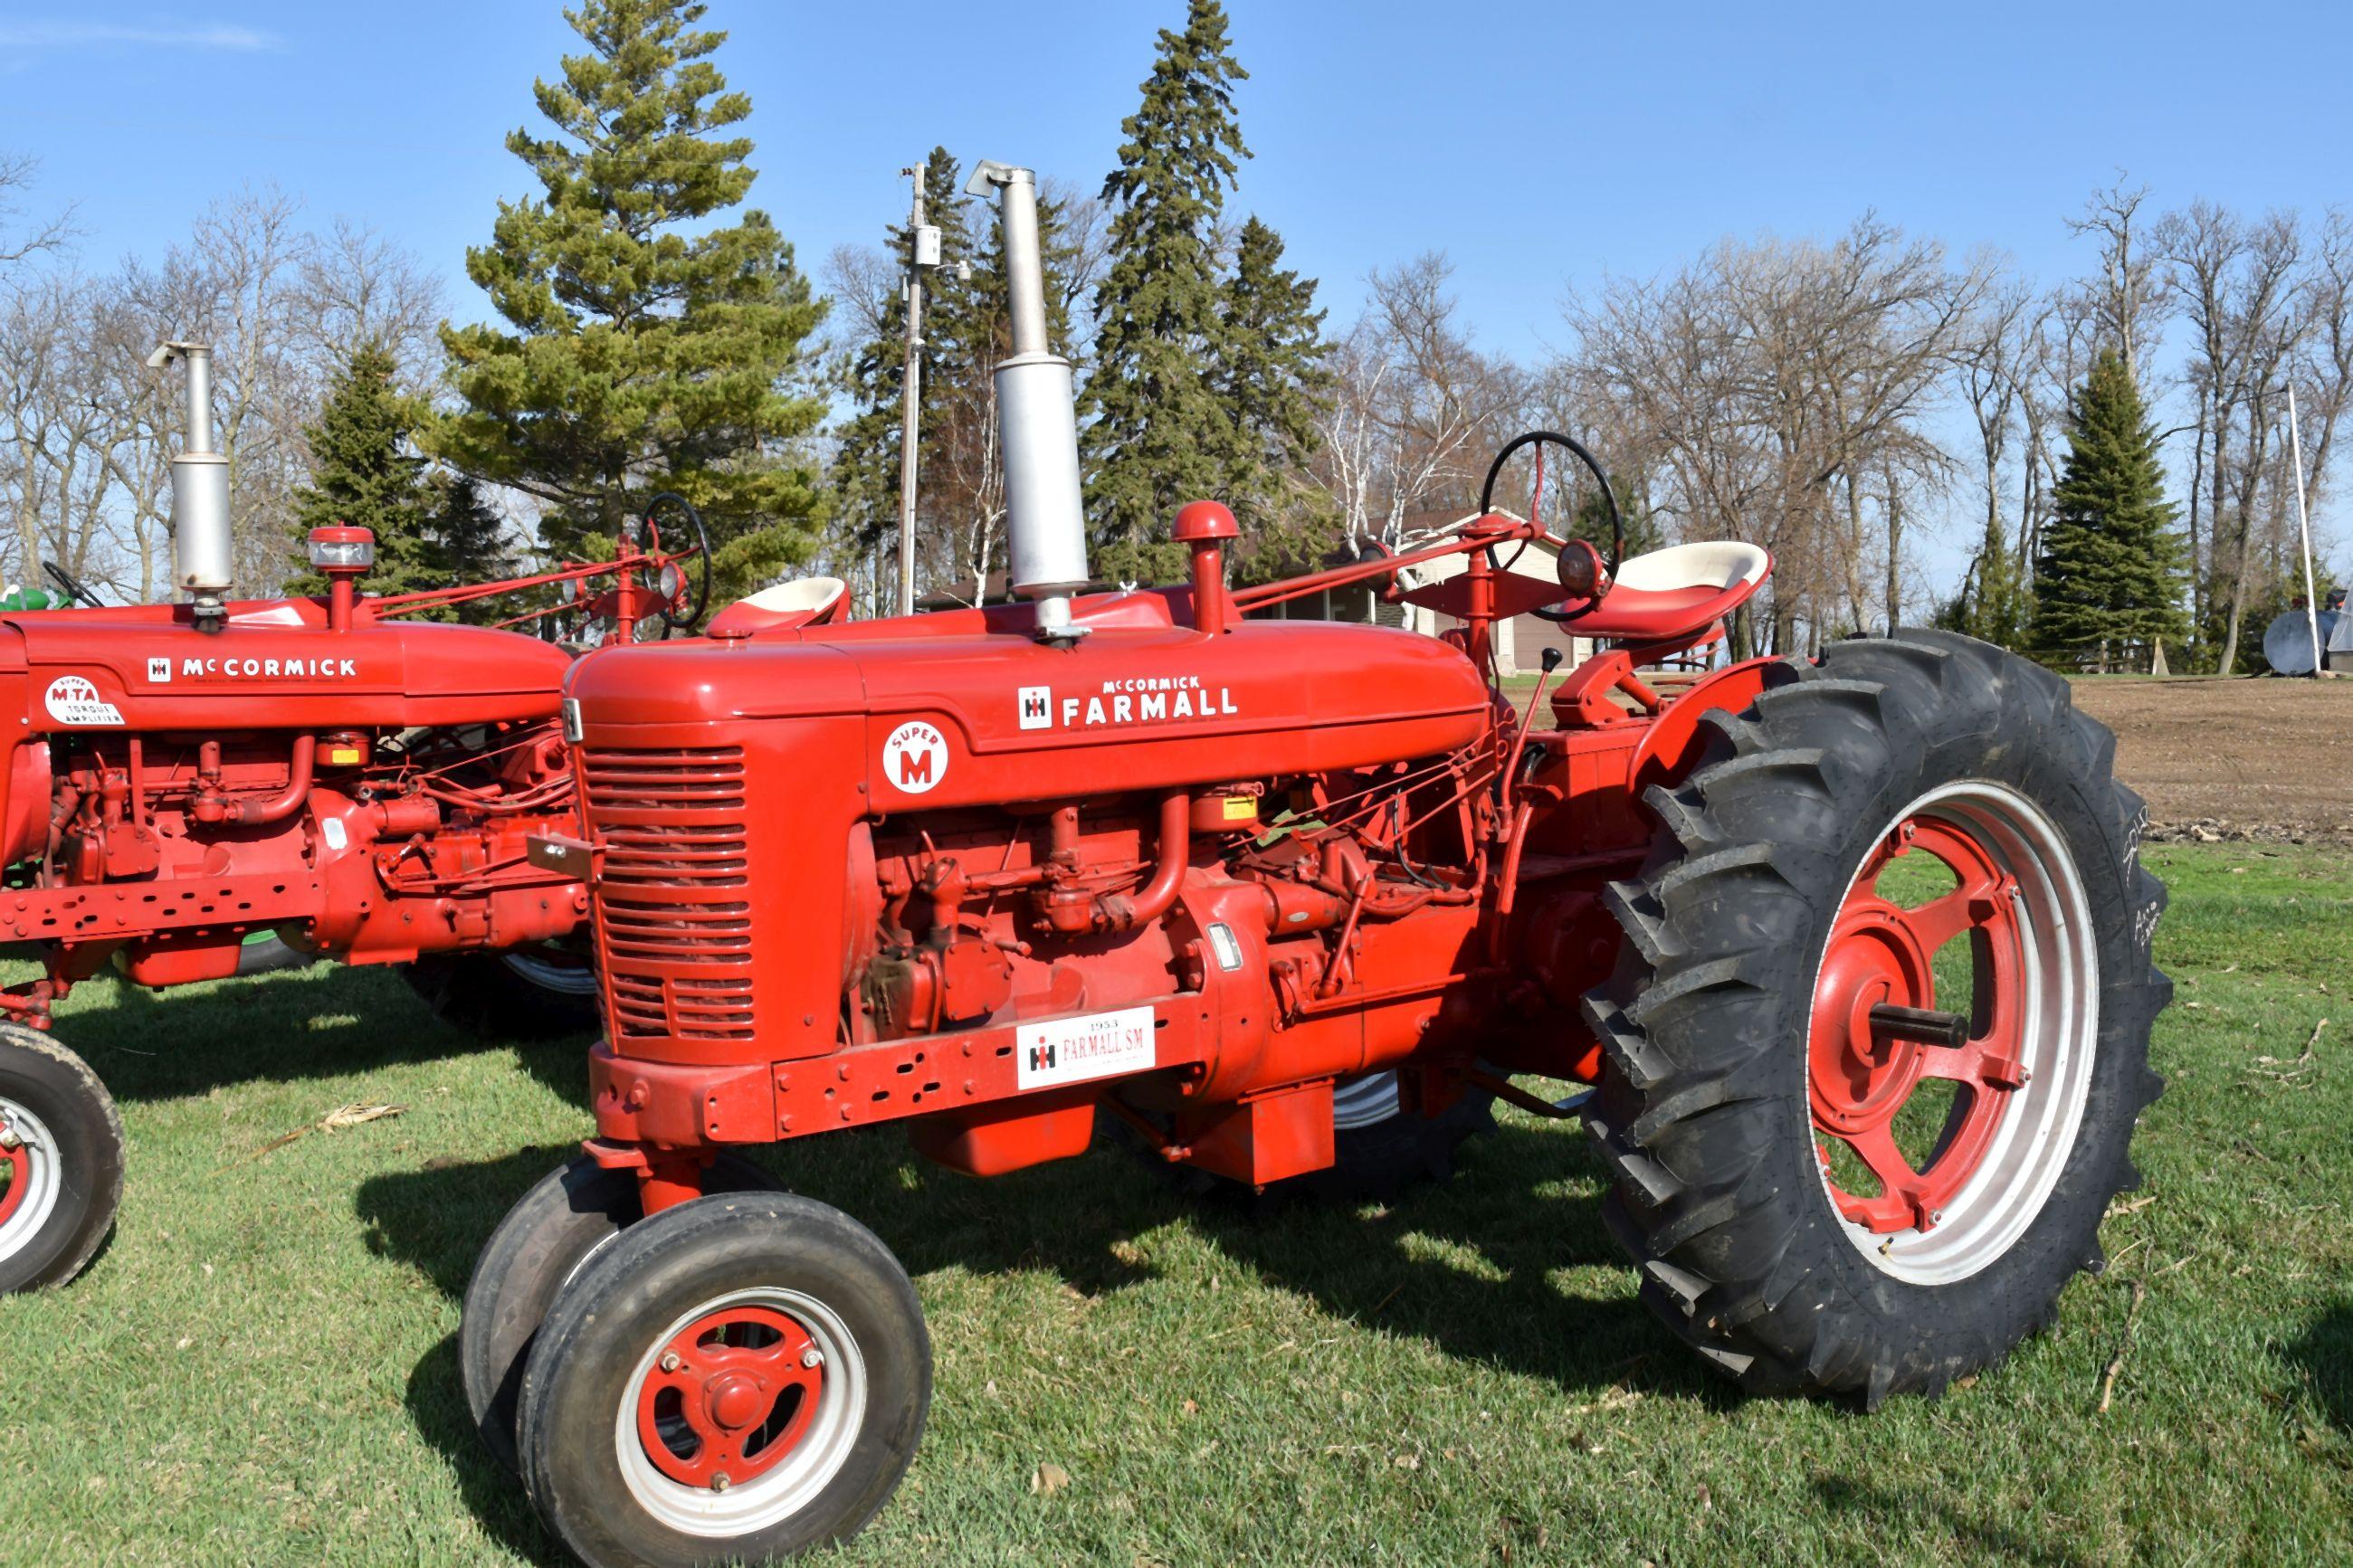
[1037, 422]
[200, 536]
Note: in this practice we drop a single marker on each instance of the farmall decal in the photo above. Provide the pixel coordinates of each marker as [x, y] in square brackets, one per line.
[72, 700]
[1131, 699]
[915, 757]
[267, 668]
[1071, 1050]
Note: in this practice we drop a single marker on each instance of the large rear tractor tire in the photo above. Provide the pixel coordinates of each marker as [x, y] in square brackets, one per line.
[531, 994]
[60, 1159]
[1836, 1177]
[736, 1380]
[572, 1212]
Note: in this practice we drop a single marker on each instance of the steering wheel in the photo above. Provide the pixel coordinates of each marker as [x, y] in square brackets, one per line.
[74, 590]
[1579, 573]
[672, 618]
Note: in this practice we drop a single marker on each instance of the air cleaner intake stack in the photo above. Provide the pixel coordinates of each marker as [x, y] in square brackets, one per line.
[200, 535]
[1038, 426]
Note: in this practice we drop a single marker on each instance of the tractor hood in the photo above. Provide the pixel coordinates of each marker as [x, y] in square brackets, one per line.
[960, 708]
[274, 664]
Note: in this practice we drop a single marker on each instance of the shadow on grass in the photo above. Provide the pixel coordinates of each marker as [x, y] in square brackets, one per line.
[438, 1404]
[322, 1021]
[1843, 1495]
[1474, 1267]
[2325, 1353]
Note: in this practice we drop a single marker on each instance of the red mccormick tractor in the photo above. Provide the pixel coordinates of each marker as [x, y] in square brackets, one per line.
[1004, 875]
[183, 777]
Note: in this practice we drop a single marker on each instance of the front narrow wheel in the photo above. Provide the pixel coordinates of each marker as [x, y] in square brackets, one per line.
[736, 1379]
[60, 1161]
[567, 1217]
[1879, 1031]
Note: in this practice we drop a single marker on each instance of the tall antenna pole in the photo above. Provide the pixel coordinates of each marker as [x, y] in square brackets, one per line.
[2304, 532]
[910, 385]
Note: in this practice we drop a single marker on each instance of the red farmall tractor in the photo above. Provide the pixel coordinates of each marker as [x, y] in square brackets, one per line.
[183, 777]
[1254, 888]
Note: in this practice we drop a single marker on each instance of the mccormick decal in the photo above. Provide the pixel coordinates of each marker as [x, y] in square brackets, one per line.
[1131, 699]
[262, 669]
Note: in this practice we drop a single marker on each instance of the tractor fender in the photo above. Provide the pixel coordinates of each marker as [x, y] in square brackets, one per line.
[1668, 748]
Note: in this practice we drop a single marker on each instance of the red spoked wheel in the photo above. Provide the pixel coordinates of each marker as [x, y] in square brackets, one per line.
[730, 1396]
[28, 1162]
[1961, 1083]
[16, 1171]
[740, 1413]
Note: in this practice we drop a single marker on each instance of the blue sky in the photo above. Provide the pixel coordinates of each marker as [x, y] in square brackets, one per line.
[1541, 145]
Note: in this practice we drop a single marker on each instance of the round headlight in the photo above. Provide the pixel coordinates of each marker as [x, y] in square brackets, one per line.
[673, 583]
[568, 591]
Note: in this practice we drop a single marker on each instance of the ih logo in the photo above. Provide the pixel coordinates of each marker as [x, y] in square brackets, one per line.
[1037, 707]
[159, 670]
[1041, 1058]
[915, 758]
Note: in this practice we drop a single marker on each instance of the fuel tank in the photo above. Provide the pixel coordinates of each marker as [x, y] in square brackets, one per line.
[276, 663]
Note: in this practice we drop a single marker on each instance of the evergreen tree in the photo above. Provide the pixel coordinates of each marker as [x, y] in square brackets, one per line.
[649, 349]
[1158, 432]
[1269, 376]
[2108, 580]
[365, 474]
[1591, 520]
[470, 545]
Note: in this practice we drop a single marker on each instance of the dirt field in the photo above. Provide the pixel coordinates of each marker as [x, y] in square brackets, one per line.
[2256, 759]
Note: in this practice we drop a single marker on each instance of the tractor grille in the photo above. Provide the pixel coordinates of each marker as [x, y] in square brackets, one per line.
[674, 921]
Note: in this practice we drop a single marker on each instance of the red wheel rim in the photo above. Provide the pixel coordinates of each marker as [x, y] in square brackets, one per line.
[1861, 1074]
[730, 1396]
[18, 1164]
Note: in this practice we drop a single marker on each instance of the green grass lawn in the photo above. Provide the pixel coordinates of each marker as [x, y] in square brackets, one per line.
[261, 1368]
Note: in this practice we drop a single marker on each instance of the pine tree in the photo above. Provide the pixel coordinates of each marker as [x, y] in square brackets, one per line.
[365, 474]
[470, 544]
[650, 350]
[1157, 433]
[2108, 580]
[1269, 376]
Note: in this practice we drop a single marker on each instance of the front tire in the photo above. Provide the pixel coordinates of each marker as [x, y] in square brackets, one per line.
[1774, 1015]
[61, 1155]
[736, 1379]
[569, 1214]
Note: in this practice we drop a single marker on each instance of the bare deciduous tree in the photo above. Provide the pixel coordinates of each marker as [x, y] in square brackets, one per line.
[1416, 406]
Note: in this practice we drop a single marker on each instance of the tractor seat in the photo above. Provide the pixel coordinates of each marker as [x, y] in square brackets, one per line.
[807, 602]
[1675, 594]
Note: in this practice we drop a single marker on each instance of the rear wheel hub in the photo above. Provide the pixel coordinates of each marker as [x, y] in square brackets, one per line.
[1879, 1041]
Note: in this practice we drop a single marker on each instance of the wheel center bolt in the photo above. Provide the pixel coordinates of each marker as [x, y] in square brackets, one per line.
[734, 1401]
